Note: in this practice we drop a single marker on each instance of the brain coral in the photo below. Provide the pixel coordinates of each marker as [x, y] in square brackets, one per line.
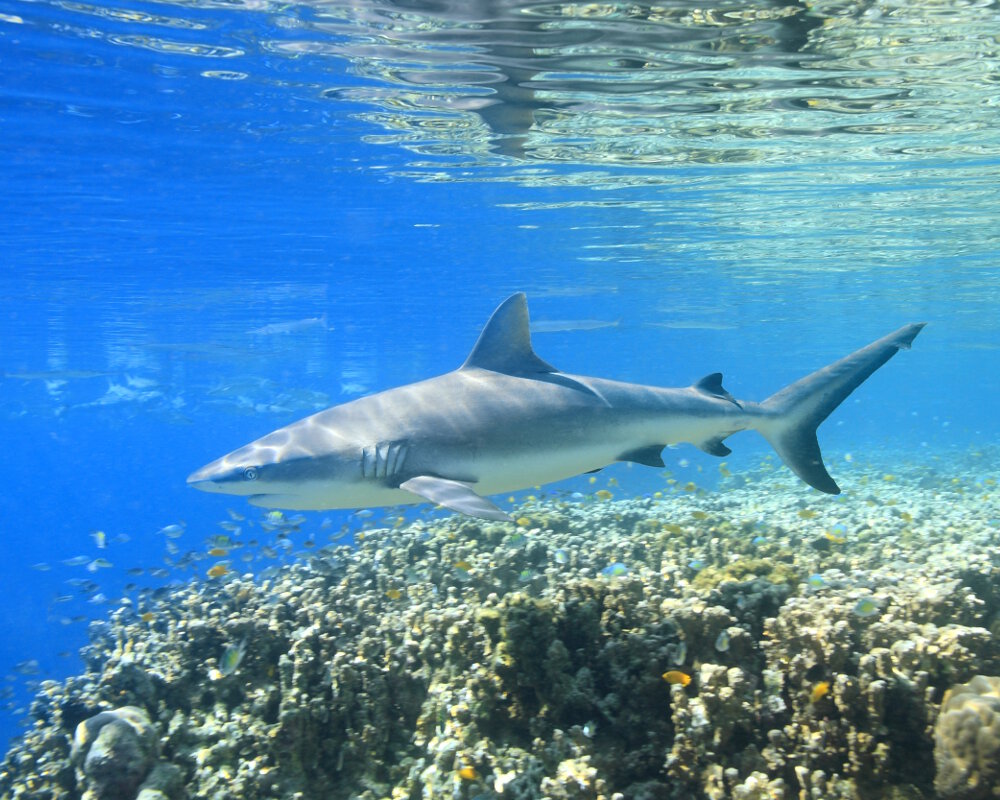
[967, 741]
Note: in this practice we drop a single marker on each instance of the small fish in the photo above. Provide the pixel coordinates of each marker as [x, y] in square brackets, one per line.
[227, 525]
[866, 607]
[229, 661]
[690, 486]
[807, 513]
[393, 594]
[699, 515]
[232, 657]
[819, 691]
[99, 563]
[41, 566]
[468, 773]
[292, 326]
[463, 566]
[173, 531]
[100, 539]
[815, 581]
[564, 325]
[218, 570]
[76, 561]
[560, 556]
[696, 564]
[722, 641]
[676, 678]
[603, 494]
[147, 616]
[235, 515]
[615, 570]
[218, 552]
[524, 522]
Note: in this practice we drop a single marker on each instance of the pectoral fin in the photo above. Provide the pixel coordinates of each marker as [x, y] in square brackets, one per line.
[454, 495]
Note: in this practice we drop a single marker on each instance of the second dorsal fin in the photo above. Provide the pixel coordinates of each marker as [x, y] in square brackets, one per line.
[712, 385]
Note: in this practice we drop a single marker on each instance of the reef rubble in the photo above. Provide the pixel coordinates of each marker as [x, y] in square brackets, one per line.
[752, 642]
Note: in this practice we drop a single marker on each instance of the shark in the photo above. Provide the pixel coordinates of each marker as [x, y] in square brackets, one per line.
[507, 420]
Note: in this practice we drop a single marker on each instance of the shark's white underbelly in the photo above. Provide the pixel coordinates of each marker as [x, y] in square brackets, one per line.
[508, 473]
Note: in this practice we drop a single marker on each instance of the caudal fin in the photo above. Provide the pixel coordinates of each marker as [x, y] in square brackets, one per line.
[792, 416]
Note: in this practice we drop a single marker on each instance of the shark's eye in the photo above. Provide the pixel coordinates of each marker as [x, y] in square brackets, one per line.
[250, 473]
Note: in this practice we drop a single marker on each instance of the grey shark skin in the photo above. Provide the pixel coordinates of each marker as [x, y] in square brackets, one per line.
[506, 420]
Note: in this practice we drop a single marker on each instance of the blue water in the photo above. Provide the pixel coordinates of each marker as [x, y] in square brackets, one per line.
[760, 196]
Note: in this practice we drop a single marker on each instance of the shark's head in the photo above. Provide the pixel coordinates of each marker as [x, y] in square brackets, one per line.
[288, 468]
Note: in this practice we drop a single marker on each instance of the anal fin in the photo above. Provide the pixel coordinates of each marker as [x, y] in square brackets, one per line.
[454, 495]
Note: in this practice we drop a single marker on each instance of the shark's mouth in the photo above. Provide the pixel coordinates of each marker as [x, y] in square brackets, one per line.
[289, 502]
[269, 500]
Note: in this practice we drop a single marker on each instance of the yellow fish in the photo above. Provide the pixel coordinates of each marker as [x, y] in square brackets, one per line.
[393, 594]
[819, 691]
[218, 571]
[675, 676]
[603, 494]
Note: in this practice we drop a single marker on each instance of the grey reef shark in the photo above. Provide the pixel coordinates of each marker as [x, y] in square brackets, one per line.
[507, 420]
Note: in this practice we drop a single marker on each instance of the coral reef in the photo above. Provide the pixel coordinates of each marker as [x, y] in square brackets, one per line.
[967, 741]
[601, 649]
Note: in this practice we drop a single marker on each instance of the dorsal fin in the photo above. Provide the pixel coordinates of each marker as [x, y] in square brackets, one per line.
[712, 385]
[505, 343]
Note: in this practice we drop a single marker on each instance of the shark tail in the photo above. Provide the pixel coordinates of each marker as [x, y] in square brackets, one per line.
[791, 416]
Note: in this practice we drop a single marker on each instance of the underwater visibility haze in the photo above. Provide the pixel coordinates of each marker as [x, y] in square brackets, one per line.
[220, 218]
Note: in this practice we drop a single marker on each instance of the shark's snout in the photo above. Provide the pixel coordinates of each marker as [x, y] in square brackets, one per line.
[204, 480]
[218, 476]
